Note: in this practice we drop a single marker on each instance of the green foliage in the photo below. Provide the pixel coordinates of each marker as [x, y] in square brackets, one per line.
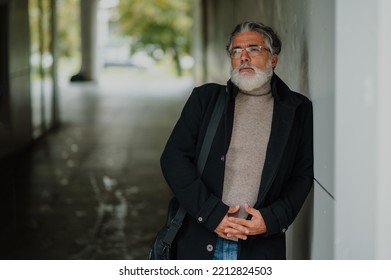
[39, 18]
[164, 24]
[40, 37]
[68, 16]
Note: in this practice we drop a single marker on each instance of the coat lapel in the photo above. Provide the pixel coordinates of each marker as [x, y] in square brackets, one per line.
[283, 115]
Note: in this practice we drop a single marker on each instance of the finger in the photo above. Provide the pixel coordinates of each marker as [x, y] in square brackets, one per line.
[233, 231]
[239, 236]
[249, 209]
[234, 222]
[222, 235]
[237, 229]
[234, 209]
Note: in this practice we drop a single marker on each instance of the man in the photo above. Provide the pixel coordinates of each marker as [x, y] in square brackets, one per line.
[260, 166]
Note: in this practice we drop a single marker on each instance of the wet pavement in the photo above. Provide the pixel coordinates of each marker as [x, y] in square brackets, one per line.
[93, 189]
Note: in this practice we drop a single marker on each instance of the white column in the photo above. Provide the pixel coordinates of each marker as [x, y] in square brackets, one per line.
[362, 154]
[88, 22]
[383, 151]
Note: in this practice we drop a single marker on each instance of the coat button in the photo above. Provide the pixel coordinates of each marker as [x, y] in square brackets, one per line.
[222, 158]
[200, 219]
[209, 247]
[284, 230]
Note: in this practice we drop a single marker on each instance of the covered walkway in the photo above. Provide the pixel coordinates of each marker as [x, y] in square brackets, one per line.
[93, 189]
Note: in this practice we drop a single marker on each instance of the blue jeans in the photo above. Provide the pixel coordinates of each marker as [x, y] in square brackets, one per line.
[226, 250]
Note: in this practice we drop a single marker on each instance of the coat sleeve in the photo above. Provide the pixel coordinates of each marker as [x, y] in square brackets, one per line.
[178, 163]
[281, 213]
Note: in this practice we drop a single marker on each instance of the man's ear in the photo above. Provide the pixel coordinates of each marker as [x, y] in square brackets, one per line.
[274, 60]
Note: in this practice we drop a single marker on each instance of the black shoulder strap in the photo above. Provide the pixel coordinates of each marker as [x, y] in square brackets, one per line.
[175, 224]
[211, 131]
[205, 148]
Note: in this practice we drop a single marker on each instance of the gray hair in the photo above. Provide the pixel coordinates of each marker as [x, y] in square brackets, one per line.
[273, 42]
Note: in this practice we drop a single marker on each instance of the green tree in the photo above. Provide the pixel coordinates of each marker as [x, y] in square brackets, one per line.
[164, 24]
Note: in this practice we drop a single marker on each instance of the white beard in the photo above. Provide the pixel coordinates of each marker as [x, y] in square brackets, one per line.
[248, 82]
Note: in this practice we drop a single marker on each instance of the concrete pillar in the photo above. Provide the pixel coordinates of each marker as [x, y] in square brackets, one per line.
[363, 135]
[4, 61]
[17, 132]
[88, 33]
[199, 41]
[53, 30]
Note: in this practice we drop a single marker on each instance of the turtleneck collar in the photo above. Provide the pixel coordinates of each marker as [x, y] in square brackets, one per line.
[262, 90]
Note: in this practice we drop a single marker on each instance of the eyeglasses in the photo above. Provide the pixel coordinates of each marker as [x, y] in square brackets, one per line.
[252, 51]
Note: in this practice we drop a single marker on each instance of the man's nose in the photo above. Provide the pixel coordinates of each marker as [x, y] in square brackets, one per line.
[245, 57]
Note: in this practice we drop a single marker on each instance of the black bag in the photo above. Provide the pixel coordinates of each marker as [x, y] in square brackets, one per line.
[163, 247]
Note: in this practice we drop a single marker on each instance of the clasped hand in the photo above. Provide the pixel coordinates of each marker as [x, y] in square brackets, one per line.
[232, 227]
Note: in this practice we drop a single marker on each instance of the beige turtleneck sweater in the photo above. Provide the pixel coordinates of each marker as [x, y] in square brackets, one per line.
[246, 154]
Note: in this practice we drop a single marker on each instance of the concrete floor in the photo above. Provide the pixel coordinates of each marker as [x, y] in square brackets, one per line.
[93, 189]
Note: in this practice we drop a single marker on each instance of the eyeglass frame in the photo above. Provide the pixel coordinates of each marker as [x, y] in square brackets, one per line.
[247, 51]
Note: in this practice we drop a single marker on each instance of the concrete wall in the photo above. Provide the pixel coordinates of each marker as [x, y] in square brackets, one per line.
[214, 21]
[363, 134]
[17, 133]
[29, 107]
[306, 63]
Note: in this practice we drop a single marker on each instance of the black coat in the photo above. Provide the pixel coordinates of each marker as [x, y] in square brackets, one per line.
[286, 179]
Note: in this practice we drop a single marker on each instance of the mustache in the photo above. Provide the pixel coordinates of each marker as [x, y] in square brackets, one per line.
[246, 65]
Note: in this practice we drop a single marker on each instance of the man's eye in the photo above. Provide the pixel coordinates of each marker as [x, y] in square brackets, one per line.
[236, 51]
[253, 49]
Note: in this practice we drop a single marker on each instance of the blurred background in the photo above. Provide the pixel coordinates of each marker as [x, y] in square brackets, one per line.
[91, 89]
